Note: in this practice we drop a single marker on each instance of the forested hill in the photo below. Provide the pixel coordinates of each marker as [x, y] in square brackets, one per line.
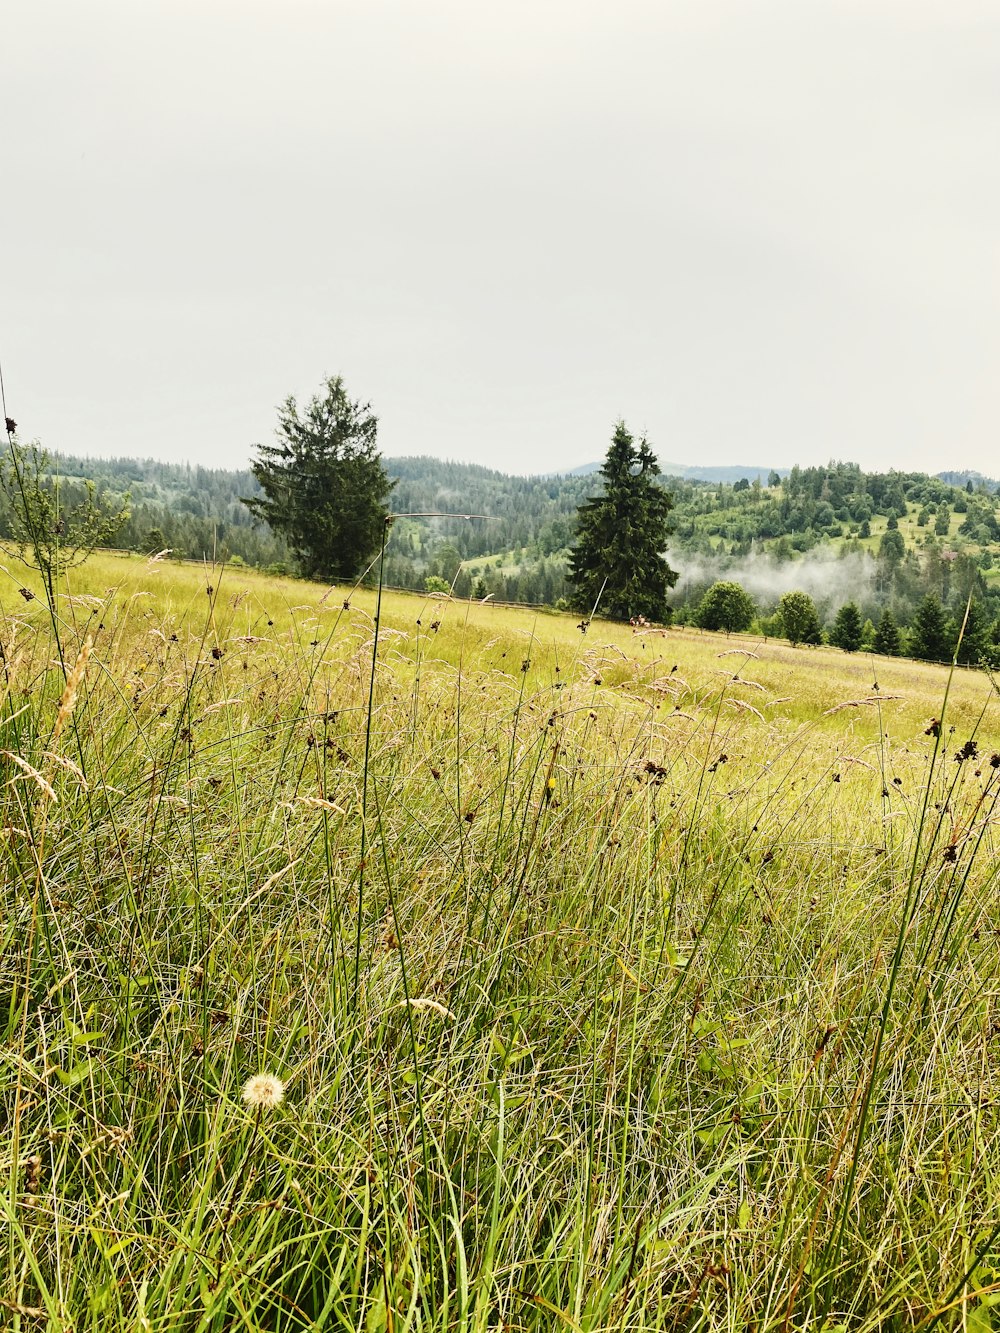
[885, 540]
[198, 512]
[195, 511]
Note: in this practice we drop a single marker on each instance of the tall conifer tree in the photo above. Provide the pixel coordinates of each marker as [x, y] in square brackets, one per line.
[618, 558]
[323, 483]
[888, 640]
[847, 628]
[976, 646]
[930, 638]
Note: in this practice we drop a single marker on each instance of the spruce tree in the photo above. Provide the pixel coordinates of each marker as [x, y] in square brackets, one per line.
[976, 646]
[930, 639]
[847, 628]
[888, 640]
[324, 487]
[621, 535]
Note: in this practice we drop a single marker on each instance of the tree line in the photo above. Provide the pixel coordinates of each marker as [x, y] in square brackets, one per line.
[968, 635]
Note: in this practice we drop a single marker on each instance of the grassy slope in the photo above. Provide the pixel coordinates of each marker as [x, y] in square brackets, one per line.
[607, 995]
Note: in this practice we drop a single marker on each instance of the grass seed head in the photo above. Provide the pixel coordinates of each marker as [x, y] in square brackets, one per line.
[68, 700]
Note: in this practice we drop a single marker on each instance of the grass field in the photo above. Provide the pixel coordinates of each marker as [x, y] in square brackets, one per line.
[614, 980]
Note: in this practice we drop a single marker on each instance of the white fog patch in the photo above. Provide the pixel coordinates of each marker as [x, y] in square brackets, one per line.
[829, 579]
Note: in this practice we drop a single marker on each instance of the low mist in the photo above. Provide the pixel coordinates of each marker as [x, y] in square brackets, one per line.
[829, 579]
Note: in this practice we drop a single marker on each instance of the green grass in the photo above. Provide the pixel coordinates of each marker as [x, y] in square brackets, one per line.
[606, 995]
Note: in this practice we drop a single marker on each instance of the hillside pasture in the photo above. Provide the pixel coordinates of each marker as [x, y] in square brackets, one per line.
[615, 980]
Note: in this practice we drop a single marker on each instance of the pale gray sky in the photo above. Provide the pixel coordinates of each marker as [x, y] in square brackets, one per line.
[764, 231]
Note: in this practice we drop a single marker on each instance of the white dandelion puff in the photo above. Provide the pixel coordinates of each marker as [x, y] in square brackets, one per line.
[263, 1091]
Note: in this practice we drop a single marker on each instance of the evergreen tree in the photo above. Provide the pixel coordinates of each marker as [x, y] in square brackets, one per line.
[621, 535]
[323, 482]
[888, 640]
[847, 628]
[929, 638]
[726, 606]
[799, 618]
[462, 587]
[976, 646]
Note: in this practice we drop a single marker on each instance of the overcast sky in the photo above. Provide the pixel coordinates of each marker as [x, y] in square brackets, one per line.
[762, 231]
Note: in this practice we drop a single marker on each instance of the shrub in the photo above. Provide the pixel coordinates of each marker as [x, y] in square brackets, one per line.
[800, 619]
[726, 606]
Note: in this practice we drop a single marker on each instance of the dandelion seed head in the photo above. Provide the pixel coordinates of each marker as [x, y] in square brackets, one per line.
[264, 1091]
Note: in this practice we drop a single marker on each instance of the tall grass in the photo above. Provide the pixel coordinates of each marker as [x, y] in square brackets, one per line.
[605, 995]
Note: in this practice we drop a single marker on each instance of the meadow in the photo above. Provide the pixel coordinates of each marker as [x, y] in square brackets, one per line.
[613, 980]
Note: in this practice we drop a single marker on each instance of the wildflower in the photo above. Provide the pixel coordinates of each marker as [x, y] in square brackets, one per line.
[264, 1091]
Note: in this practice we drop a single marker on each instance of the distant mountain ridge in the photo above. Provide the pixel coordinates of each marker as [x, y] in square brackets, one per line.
[686, 472]
[737, 472]
[962, 477]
